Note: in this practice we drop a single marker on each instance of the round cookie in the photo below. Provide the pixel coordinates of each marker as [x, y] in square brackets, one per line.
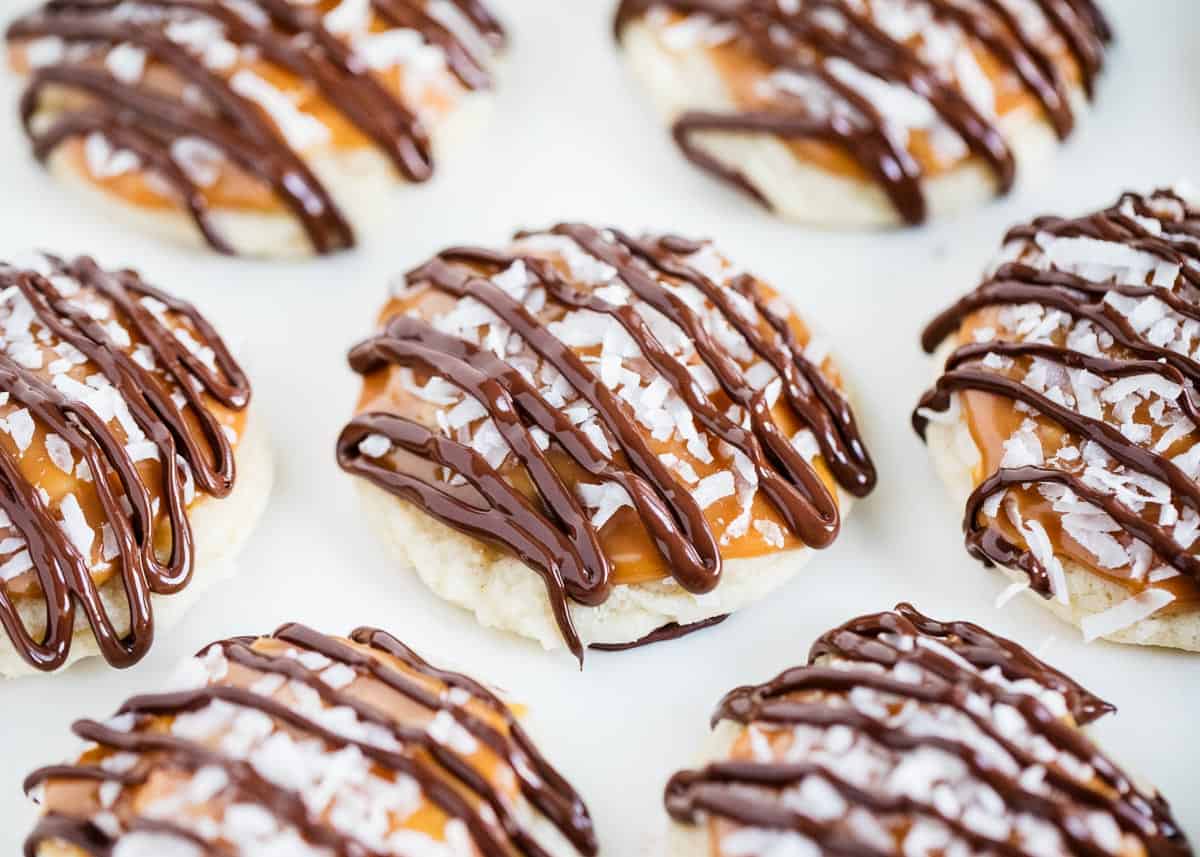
[300, 744]
[866, 114]
[259, 128]
[903, 735]
[1064, 416]
[592, 438]
[102, 373]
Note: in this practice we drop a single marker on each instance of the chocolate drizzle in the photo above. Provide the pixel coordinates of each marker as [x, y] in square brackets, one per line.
[147, 121]
[198, 444]
[1083, 300]
[555, 537]
[953, 662]
[802, 40]
[446, 778]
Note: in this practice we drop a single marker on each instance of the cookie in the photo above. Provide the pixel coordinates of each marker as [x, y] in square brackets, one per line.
[103, 378]
[903, 735]
[256, 127]
[303, 744]
[592, 438]
[1063, 416]
[866, 114]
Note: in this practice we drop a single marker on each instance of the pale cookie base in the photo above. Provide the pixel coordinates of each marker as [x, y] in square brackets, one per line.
[220, 528]
[360, 181]
[955, 456]
[506, 594]
[797, 190]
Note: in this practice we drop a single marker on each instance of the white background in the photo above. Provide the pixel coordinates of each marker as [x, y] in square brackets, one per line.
[572, 138]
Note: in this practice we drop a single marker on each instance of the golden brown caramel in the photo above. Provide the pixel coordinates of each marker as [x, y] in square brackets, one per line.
[992, 420]
[624, 537]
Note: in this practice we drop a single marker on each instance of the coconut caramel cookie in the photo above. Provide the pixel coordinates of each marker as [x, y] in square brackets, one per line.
[592, 438]
[300, 744]
[907, 736]
[1064, 416]
[260, 127]
[866, 113]
[131, 468]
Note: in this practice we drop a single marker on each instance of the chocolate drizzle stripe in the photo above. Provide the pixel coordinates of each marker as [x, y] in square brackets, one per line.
[748, 793]
[670, 631]
[799, 41]
[446, 779]
[556, 538]
[1082, 299]
[64, 575]
[293, 39]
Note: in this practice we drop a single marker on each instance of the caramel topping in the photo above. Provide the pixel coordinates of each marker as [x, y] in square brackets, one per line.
[298, 743]
[104, 378]
[212, 105]
[611, 410]
[904, 734]
[895, 92]
[1075, 376]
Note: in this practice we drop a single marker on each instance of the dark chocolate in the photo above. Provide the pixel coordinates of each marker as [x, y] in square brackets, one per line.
[1083, 300]
[749, 792]
[446, 779]
[147, 122]
[556, 538]
[64, 575]
[800, 40]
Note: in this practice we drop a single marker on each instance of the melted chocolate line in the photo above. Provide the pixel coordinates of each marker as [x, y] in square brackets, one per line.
[81, 833]
[951, 676]
[148, 148]
[668, 512]
[150, 409]
[284, 803]
[992, 547]
[498, 522]
[1131, 455]
[574, 822]
[541, 784]
[949, 683]
[593, 586]
[585, 569]
[698, 577]
[710, 789]
[867, 138]
[64, 575]
[409, 737]
[802, 499]
[974, 644]
[287, 175]
[670, 631]
[147, 124]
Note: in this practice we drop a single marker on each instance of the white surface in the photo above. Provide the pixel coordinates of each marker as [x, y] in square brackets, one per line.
[573, 138]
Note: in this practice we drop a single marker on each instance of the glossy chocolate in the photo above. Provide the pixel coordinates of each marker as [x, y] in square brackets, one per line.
[953, 669]
[799, 37]
[1083, 300]
[183, 430]
[446, 779]
[556, 538]
[146, 121]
